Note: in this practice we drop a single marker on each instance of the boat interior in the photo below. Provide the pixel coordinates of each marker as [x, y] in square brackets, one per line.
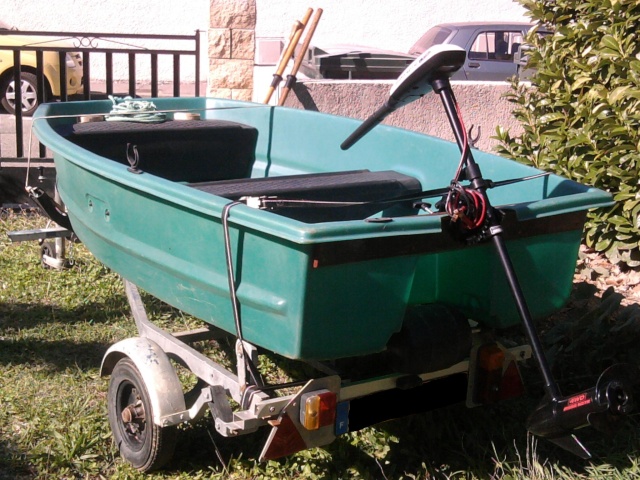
[217, 157]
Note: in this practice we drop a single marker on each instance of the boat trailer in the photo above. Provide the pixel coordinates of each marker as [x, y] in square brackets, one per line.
[146, 401]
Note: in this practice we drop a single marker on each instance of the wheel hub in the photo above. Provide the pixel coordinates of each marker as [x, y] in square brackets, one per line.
[133, 417]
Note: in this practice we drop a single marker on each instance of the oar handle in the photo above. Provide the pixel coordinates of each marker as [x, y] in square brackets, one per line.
[294, 38]
[291, 78]
[368, 124]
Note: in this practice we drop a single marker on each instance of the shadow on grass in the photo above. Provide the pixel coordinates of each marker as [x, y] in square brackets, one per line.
[58, 337]
[63, 337]
[55, 354]
[12, 465]
[452, 442]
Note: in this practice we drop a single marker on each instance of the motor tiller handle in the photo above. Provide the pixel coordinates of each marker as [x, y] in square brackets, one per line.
[414, 82]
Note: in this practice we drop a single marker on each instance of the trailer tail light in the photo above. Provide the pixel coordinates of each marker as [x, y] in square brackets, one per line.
[497, 377]
[318, 409]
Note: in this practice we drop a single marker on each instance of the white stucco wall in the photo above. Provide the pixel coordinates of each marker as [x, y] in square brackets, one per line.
[386, 24]
[389, 24]
[177, 17]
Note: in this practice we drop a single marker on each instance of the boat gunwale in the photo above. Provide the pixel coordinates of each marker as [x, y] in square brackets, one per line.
[267, 222]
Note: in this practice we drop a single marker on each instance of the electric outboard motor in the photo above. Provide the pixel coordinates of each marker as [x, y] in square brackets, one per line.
[603, 406]
[557, 417]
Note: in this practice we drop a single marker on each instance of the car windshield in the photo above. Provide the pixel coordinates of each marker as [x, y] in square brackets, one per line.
[434, 36]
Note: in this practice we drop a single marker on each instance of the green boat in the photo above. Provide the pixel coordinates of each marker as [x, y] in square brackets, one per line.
[381, 251]
[313, 282]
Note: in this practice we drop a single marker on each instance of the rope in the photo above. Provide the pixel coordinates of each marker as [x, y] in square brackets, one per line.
[235, 303]
[128, 110]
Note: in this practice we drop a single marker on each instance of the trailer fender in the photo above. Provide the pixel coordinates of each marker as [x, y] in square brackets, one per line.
[162, 383]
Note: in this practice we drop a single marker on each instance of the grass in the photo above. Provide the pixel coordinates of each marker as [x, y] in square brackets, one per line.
[55, 326]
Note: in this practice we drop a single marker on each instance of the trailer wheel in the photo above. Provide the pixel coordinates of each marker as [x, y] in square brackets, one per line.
[143, 444]
[47, 249]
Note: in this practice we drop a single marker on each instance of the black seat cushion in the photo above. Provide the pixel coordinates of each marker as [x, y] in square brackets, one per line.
[185, 150]
[350, 186]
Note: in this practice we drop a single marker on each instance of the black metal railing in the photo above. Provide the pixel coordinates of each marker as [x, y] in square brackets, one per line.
[83, 48]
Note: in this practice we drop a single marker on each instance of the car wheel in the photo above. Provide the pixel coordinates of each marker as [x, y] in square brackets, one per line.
[27, 96]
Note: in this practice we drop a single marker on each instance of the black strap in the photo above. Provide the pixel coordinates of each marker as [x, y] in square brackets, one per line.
[272, 202]
[50, 207]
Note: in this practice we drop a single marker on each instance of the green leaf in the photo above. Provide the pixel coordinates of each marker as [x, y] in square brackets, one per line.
[603, 244]
[580, 82]
[618, 93]
[551, 117]
[609, 41]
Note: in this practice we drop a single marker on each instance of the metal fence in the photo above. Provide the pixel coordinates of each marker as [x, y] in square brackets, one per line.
[119, 57]
[83, 48]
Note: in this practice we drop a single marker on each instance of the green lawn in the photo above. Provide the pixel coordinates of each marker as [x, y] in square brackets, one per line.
[55, 327]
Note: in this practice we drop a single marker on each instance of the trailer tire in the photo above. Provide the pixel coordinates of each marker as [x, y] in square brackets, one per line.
[140, 441]
[48, 249]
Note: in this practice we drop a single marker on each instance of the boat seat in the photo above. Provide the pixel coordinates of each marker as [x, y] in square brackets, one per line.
[182, 151]
[349, 186]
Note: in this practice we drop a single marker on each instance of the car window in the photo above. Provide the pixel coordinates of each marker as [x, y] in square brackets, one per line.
[434, 36]
[495, 45]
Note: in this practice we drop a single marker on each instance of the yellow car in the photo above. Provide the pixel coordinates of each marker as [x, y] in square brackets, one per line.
[27, 95]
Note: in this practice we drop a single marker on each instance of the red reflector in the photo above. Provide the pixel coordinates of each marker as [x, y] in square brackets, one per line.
[490, 360]
[498, 377]
[512, 385]
[284, 439]
[491, 357]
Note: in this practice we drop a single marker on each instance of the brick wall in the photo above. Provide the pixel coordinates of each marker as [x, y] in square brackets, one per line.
[231, 48]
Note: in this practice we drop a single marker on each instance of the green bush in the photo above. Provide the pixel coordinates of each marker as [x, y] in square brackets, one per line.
[581, 115]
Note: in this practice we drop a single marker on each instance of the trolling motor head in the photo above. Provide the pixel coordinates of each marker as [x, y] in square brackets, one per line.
[603, 406]
[437, 62]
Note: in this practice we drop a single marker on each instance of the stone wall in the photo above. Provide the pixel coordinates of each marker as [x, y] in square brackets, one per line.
[483, 106]
[231, 48]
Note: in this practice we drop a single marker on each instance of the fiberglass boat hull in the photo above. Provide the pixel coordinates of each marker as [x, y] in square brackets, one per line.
[316, 290]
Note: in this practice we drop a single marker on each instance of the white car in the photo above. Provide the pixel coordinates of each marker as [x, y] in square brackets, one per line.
[490, 47]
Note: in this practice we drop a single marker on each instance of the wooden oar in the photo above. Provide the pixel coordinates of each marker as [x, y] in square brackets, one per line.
[294, 38]
[291, 78]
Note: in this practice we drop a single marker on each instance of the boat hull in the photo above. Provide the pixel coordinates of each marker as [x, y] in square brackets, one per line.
[316, 290]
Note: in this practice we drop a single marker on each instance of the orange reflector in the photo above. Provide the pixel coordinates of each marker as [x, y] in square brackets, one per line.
[284, 439]
[490, 357]
[318, 409]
